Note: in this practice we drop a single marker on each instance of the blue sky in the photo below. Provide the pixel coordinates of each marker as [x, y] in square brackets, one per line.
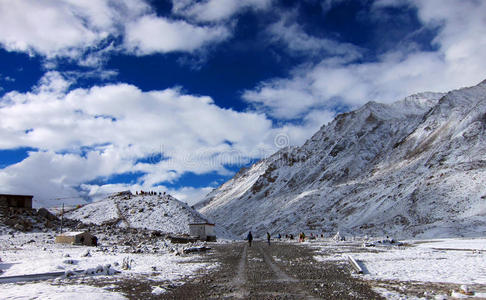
[99, 96]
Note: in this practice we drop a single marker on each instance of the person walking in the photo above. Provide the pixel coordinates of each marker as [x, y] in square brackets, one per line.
[268, 238]
[249, 238]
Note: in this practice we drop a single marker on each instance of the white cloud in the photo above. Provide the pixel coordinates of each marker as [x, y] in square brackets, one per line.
[293, 36]
[82, 30]
[85, 134]
[459, 61]
[282, 98]
[49, 176]
[62, 28]
[216, 10]
[120, 114]
[190, 195]
[151, 34]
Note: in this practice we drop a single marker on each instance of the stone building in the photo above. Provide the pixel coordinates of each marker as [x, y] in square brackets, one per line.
[204, 231]
[77, 238]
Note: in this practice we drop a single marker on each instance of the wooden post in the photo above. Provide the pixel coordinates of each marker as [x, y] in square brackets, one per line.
[62, 216]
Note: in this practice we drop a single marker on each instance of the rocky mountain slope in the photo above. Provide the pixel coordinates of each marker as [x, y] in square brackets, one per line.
[416, 167]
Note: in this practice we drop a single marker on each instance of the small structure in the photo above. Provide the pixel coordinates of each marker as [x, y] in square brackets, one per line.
[77, 238]
[204, 231]
[16, 201]
[338, 237]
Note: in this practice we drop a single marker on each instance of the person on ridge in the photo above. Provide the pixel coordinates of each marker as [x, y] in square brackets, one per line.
[268, 238]
[249, 238]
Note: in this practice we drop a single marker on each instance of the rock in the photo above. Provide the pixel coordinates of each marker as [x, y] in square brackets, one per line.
[80, 226]
[46, 214]
[19, 227]
[12, 222]
[70, 261]
[27, 225]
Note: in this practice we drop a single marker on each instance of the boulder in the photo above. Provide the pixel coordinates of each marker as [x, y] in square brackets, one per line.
[46, 214]
[12, 221]
[19, 227]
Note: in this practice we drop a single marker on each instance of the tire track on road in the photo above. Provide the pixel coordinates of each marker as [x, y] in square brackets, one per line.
[278, 271]
[281, 275]
[291, 286]
[240, 279]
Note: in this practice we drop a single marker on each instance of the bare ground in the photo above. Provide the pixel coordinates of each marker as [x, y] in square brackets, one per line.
[278, 271]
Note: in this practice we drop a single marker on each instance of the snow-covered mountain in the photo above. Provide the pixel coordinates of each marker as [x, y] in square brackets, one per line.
[416, 167]
[153, 212]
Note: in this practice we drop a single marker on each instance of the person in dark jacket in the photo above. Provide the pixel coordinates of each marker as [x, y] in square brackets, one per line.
[268, 238]
[249, 238]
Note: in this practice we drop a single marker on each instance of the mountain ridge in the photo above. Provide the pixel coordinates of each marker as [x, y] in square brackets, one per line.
[381, 169]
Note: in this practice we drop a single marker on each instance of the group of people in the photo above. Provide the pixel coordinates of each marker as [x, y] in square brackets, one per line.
[249, 237]
[150, 193]
[302, 237]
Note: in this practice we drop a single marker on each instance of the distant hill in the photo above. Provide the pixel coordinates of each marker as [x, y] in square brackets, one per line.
[154, 212]
[416, 167]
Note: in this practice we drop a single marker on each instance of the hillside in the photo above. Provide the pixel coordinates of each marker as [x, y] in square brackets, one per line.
[416, 167]
[154, 212]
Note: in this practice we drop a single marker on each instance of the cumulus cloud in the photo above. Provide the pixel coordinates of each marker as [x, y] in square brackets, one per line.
[62, 28]
[215, 10]
[457, 62]
[49, 175]
[81, 135]
[120, 114]
[87, 31]
[190, 195]
[151, 34]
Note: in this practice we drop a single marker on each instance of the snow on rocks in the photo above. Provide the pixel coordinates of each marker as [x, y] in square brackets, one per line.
[101, 270]
[93, 263]
[157, 290]
[153, 212]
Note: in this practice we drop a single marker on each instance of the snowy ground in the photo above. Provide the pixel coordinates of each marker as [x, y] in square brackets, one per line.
[420, 269]
[19, 257]
[443, 261]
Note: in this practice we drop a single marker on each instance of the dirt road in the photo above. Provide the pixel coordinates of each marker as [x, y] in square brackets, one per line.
[278, 271]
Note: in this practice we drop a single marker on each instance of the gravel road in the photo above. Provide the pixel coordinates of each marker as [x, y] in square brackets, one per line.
[276, 271]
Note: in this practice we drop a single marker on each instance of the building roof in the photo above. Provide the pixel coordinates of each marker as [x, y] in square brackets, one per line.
[17, 195]
[73, 233]
[202, 223]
